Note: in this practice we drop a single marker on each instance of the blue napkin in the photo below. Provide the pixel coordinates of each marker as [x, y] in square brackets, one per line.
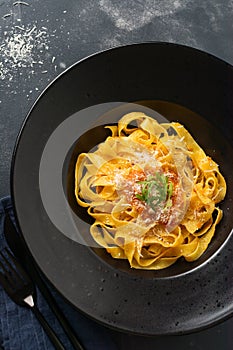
[20, 330]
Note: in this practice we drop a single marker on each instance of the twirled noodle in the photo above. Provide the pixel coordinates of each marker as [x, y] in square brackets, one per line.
[152, 192]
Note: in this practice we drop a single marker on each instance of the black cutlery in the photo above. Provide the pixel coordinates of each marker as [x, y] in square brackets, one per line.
[21, 251]
[21, 290]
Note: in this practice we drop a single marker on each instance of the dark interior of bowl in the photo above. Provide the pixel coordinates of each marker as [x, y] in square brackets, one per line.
[210, 139]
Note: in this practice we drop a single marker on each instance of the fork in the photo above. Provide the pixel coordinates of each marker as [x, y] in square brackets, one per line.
[21, 290]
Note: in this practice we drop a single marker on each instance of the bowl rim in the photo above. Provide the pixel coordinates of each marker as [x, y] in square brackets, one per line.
[14, 155]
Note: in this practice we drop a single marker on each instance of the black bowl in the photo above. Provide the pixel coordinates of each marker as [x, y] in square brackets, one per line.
[181, 84]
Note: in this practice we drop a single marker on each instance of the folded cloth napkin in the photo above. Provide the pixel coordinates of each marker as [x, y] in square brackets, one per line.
[20, 330]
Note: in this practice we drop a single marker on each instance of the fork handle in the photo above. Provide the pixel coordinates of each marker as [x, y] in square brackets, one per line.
[51, 334]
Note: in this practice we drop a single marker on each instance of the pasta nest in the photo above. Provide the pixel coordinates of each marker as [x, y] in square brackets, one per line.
[152, 192]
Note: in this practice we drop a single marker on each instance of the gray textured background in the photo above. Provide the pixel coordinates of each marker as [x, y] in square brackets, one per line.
[77, 28]
[73, 29]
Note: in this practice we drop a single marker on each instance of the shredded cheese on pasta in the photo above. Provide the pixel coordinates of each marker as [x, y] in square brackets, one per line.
[152, 192]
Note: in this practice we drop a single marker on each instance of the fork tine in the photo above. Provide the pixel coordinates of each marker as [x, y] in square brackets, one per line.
[9, 275]
[3, 279]
[9, 269]
[13, 279]
[17, 266]
[5, 283]
[13, 274]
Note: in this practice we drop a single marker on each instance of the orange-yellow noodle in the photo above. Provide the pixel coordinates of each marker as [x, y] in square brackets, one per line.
[152, 192]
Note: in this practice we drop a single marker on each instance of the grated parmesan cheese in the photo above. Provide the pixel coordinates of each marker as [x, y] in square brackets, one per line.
[19, 49]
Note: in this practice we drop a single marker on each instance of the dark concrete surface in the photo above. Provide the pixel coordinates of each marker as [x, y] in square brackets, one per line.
[40, 39]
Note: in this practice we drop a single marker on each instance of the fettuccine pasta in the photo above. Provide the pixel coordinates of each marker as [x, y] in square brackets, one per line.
[152, 192]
